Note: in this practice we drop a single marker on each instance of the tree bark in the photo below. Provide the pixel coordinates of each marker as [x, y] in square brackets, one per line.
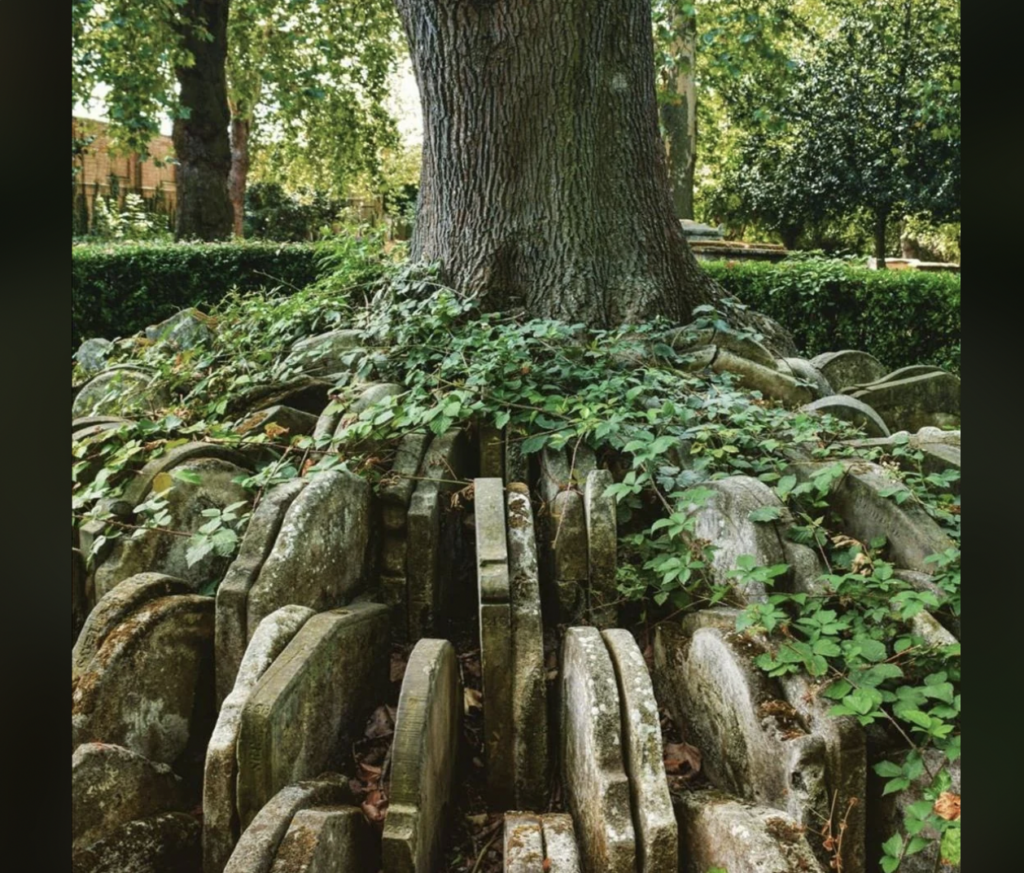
[238, 177]
[544, 185]
[679, 117]
[201, 143]
[881, 219]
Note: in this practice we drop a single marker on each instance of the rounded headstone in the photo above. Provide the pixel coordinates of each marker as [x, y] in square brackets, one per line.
[850, 409]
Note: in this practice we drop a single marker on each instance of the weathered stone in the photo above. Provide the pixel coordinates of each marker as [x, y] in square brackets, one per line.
[724, 521]
[334, 839]
[220, 817]
[111, 786]
[584, 462]
[857, 498]
[602, 547]
[321, 554]
[655, 823]
[396, 491]
[184, 330]
[754, 744]
[423, 759]
[315, 694]
[801, 368]
[560, 843]
[371, 395]
[294, 421]
[927, 627]
[393, 555]
[766, 379]
[529, 691]
[325, 353]
[902, 373]
[688, 340]
[567, 531]
[555, 474]
[79, 604]
[524, 843]
[596, 787]
[308, 393]
[233, 592]
[720, 831]
[923, 582]
[492, 452]
[850, 409]
[517, 467]
[149, 687]
[848, 367]
[165, 843]
[162, 552]
[258, 845]
[116, 606]
[936, 435]
[121, 391]
[431, 533]
[92, 354]
[932, 399]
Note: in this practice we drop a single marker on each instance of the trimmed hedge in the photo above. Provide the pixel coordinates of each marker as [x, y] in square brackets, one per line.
[902, 317]
[118, 289]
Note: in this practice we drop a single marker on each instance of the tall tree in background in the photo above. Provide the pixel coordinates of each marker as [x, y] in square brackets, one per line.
[676, 37]
[544, 185]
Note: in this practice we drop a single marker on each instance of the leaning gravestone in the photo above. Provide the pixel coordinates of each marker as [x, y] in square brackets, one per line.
[312, 698]
[165, 843]
[320, 557]
[423, 759]
[931, 399]
[121, 391]
[333, 839]
[848, 367]
[767, 379]
[602, 547]
[325, 353]
[220, 816]
[850, 409]
[130, 696]
[594, 779]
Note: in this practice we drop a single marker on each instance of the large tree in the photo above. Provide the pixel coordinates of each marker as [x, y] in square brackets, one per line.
[544, 184]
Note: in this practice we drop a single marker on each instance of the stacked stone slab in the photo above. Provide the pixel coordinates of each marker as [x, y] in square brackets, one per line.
[312, 700]
[164, 843]
[612, 773]
[395, 496]
[602, 548]
[423, 759]
[220, 775]
[540, 844]
[916, 401]
[332, 839]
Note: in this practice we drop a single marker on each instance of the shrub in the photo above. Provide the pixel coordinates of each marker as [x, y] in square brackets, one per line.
[901, 317]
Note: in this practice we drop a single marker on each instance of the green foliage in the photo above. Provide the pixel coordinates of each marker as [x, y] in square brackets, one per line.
[133, 222]
[901, 317]
[273, 213]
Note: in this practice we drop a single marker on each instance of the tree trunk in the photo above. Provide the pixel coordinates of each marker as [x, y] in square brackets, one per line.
[544, 184]
[881, 219]
[679, 116]
[239, 169]
[201, 140]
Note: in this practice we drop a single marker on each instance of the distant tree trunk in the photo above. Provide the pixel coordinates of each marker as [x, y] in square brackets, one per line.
[679, 117]
[544, 185]
[237, 179]
[201, 143]
[881, 219]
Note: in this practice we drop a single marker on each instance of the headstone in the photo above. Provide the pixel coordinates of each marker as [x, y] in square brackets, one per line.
[257, 847]
[232, 633]
[567, 544]
[560, 843]
[371, 395]
[932, 399]
[220, 816]
[529, 689]
[602, 547]
[320, 557]
[766, 379]
[654, 820]
[850, 409]
[325, 353]
[316, 693]
[130, 696]
[433, 534]
[121, 391]
[517, 467]
[184, 330]
[165, 843]
[524, 844]
[423, 759]
[294, 421]
[333, 839]
[902, 373]
[719, 831]
[848, 367]
[111, 786]
[801, 368]
[163, 552]
[92, 354]
[593, 775]
[495, 639]
[308, 393]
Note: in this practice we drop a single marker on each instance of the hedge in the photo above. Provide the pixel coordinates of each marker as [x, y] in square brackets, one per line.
[118, 289]
[902, 317]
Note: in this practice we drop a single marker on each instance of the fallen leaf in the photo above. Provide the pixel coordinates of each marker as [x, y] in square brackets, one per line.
[368, 773]
[273, 430]
[472, 699]
[682, 759]
[161, 482]
[398, 665]
[380, 724]
[375, 805]
[477, 820]
[948, 806]
[546, 865]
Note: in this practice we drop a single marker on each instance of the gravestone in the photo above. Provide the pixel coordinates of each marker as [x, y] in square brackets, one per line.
[931, 399]
[164, 843]
[333, 839]
[848, 367]
[294, 421]
[764, 378]
[524, 844]
[850, 409]
[125, 391]
[602, 547]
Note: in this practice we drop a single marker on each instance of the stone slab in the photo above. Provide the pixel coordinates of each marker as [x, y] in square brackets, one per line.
[560, 843]
[850, 409]
[257, 847]
[848, 367]
[524, 843]
[602, 548]
[334, 839]
[491, 540]
[316, 693]
[324, 353]
[423, 759]
[567, 543]
[593, 775]
[111, 786]
[165, 843]
[517, 467]
[130, 696]
[308, 393]
[320, 557]
[496, 679]
[295, 421]
[801, 368]
[719, 831]
[232, 633]
[529, 688]
[767, 379]
[932, 399]
[121, 391]
[653, 818]
[492, 452]
[220, 816]
[371, 395]
[396, 491]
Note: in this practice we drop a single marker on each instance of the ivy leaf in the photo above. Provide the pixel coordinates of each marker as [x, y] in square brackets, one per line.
[766, 513]
[198, 550]
[189, 476]
[950, 846]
